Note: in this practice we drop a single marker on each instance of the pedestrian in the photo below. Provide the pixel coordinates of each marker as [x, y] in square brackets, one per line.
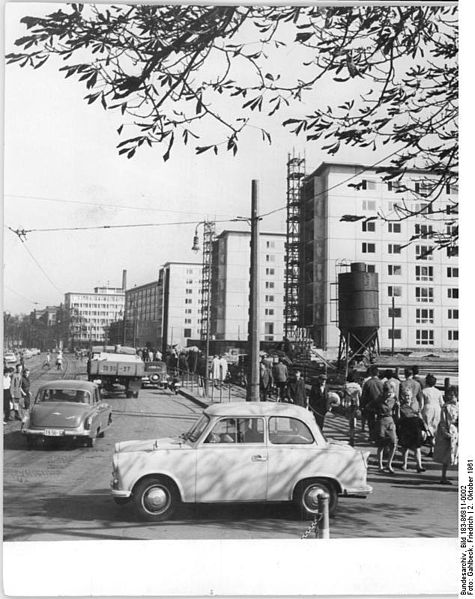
[433, 401]
[7, 398]
[416, 390]
[150, 355]
[318, 399]
[59, 361]
[385, 409]
[298, 391]
[280, 375]
[25, 385]
[446, 438]
[223, 369]
[351, 403]
[411, 430]
[390, 376]
[419, 379]
[215, 370]
[16, 391]
[182, 363]
[265, 379]
[372, 390]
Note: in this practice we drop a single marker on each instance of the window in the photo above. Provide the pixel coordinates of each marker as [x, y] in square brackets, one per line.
[187, 320]
[368, 248]
[269, 298]
[394, 206]
[453, 292]
[270, 244]
[270, 258]
[424, 337]
[423, 188]
[370, 268]
[423, 230]
[188, 300]
[269, 311]
[289, 431]
[424, 316]
[394, 334]
[189, 281]
[188, 310]
[424, 273]
[451, 209]
[424, 252]
[394, 227]
[268, 331]
[188, 291]
[394, 291]
[452, 272]
[394, 269]
[270, 271]
[452, 251]
[394, 312]
[394, 248]
[369, 205]
[368, 226]
[186, 332]
[453, 335]
[424, 294]
[422, 208]
[237, 430]
[453, 314]
[269, 284]
[368, 184]
[395, 186]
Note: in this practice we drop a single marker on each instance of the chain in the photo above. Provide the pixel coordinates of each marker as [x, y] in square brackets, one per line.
[312, 527]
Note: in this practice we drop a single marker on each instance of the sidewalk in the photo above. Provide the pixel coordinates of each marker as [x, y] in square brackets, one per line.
[225, 394]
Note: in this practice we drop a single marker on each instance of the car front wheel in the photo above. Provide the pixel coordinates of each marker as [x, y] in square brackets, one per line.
[307, 497]
[155, 499]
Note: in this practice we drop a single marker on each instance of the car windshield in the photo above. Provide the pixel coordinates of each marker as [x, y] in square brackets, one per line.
[68, 395]
[196, 430]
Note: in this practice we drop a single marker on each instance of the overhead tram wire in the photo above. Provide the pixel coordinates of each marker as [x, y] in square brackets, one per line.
[20, 295]
[360, 172]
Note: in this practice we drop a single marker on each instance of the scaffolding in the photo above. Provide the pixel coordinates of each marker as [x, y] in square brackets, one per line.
[209, 233]
[295, 174]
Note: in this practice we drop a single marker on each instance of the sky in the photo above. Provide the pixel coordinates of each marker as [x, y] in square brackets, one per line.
[62, 169]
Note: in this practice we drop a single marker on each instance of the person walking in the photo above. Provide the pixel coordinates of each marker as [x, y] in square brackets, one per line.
[7, 398]
[384, 428]
[215, 370]
[47, 362]
[410, 430]
[318, 400]
[371, 392]
[446, 438]
[433, 401]
[280, 374]
[298, 391]
[265, 379]
[223, 369]
[59, 360]
[16, 391]
[25, 385]
[415, 387]
[351, 403]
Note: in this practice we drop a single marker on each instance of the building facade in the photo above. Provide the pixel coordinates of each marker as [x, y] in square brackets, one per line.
[230, 286]
[89, 315]
[379, 220]
[142, 316]
[178, 303]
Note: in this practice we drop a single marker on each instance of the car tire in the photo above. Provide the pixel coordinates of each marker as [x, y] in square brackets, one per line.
[101, 435]
[306, 497]
[90, 441]
[121, 500]
[30, 441]
[155, 499]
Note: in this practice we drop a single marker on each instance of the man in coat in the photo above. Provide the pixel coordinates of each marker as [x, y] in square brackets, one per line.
[318, 399]
[265, 379]
[297, 390]
[281, 375]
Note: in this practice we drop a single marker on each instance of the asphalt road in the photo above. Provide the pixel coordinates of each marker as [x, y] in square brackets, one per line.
[62, 493]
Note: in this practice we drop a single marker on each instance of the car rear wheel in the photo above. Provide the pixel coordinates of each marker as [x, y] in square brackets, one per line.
[155, 499]
[306, 497]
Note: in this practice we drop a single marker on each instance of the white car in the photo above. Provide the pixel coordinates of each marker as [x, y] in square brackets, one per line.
[10, 357]
[238, 452]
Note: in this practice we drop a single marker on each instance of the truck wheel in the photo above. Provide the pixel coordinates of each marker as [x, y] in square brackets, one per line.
[306, 497]
[155, 499]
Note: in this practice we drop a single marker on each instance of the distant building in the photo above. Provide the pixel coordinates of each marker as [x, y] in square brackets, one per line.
[89, 315]
[142, 316]
[179, 303]
[230, 286]
[424, 284]
[47, 315]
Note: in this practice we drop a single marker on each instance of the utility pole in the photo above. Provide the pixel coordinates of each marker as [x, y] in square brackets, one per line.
[392, 324]
[254, 320]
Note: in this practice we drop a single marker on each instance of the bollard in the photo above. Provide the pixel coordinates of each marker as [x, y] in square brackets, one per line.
[323, 530]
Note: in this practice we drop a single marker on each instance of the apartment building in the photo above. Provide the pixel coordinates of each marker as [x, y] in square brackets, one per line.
[179, 303]
[88, 315]
[141, 319]
[422, 283]
[230, 285]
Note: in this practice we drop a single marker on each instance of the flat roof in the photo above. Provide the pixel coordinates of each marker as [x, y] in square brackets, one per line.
[362, 167]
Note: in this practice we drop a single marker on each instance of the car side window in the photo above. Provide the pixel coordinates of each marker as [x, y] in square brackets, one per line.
[250, 430]
[224, 431]
[289, 431]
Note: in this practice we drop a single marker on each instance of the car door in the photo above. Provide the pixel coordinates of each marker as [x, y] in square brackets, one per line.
[291, 451]
[232, 466]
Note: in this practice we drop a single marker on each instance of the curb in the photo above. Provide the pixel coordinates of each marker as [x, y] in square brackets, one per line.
[196, 400]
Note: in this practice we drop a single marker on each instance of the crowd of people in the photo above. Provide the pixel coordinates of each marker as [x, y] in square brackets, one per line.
[16, 392]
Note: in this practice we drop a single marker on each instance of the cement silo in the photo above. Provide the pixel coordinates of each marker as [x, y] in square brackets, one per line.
[358, 313]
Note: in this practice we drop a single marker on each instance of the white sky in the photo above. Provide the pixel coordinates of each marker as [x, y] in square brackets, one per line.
[58, 147]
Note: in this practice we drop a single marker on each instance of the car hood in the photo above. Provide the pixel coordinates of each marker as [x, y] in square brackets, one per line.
[165, 443]
[66, 415]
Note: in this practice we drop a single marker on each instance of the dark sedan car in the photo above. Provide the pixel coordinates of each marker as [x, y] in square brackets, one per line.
[67, 409]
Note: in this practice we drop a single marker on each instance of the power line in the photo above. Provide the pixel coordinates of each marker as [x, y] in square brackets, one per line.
[21, 295]
[100, 205]
[40, 267]
[363, 170]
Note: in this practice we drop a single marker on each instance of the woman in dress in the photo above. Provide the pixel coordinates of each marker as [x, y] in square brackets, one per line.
[433, 400]
[446, 438]
[410, 430]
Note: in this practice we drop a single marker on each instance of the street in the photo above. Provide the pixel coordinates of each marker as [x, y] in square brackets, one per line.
[62, 492]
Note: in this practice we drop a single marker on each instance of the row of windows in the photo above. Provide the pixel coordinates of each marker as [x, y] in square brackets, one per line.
[423, 294]
[369, 226]
[423, 252]
[424, 315]
[424, 336]
[422, 187]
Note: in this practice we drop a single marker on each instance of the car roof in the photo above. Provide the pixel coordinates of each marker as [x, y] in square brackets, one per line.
[258, 408]
[77, 385]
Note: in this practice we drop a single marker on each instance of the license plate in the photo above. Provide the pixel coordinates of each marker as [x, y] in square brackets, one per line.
[53, 432]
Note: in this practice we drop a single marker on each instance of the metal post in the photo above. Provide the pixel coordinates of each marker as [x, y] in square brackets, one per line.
[323, 531]
[253, 336]
[392, 325]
